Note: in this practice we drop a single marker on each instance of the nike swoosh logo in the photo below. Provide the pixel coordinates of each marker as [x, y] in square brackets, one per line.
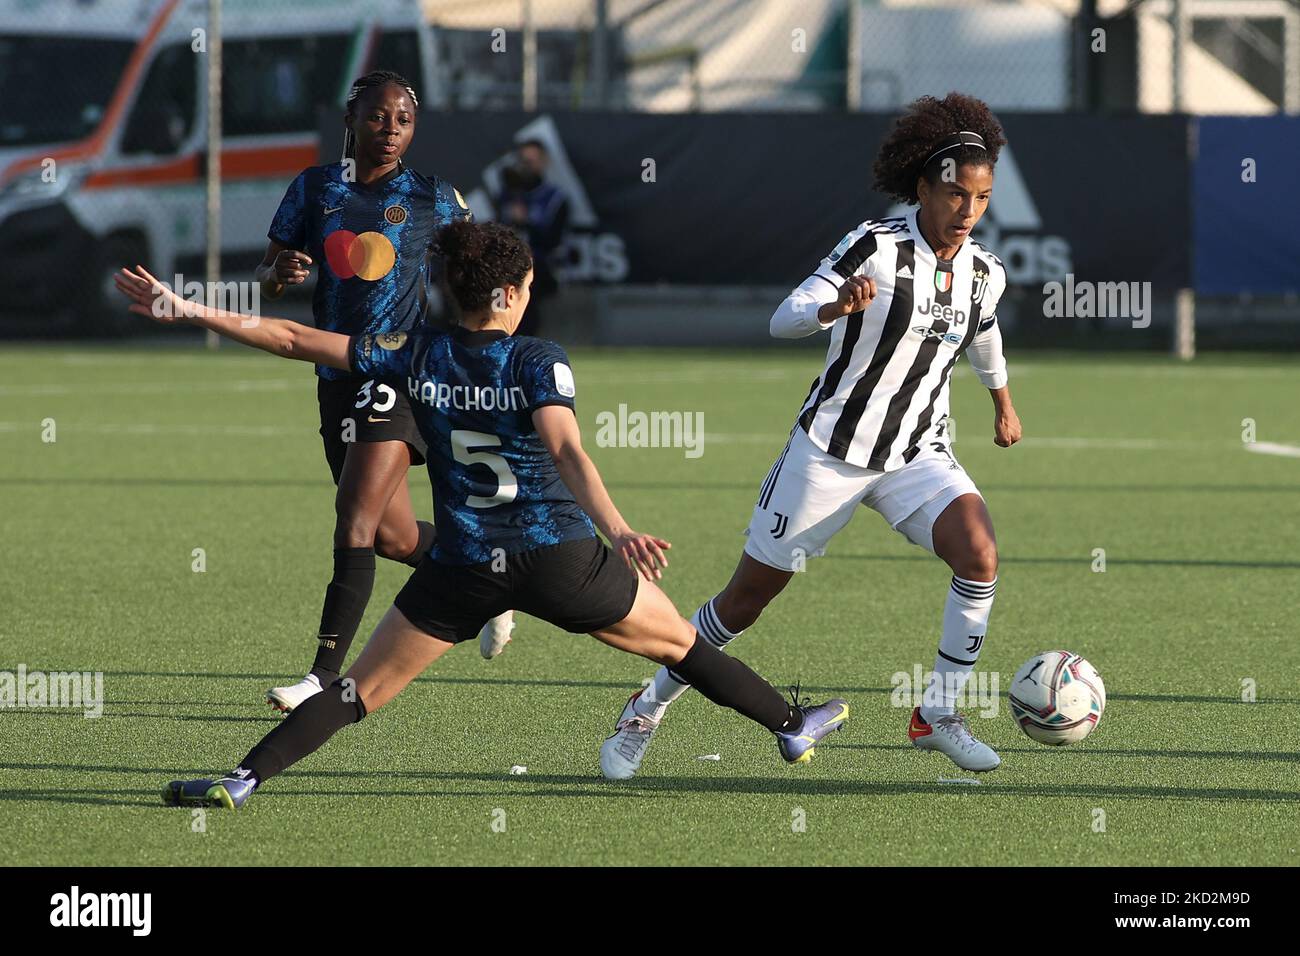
[373, 419]
[335, 209]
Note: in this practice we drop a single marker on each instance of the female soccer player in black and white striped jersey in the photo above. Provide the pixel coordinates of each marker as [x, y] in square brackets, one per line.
[901, 299]
[366, 223]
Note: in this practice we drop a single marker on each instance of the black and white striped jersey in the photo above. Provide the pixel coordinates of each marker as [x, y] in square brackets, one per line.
[884, 391]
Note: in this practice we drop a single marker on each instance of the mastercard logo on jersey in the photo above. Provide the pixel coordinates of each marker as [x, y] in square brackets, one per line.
[368, 256]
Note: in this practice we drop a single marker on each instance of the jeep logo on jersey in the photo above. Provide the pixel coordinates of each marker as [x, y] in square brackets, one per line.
[945, 312]
[395, 215]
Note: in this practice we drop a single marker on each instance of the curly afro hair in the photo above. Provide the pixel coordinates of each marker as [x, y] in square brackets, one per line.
[480, 258]
[921, 130]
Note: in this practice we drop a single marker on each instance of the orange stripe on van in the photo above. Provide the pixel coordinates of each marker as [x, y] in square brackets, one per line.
[93, 144]
[251, 163]
[269, 160]
[183, 170]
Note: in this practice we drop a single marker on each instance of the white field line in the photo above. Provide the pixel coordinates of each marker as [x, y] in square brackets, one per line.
[768, 438]
[796, 370]
[666, 377]
[722, 373]
[1043, 442]
[1125, 444]
[161, 358]
[1104, 444]
[773, 439]
[159, 388]
[1273, 448]
[140, 428]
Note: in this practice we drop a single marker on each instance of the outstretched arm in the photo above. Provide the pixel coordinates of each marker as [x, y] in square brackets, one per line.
[558, 429]
[282, 337]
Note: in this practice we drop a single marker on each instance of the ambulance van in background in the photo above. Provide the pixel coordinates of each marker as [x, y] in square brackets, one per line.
[103, 134]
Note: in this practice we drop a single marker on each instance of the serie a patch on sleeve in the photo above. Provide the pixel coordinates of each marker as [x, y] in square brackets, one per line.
[564, 380]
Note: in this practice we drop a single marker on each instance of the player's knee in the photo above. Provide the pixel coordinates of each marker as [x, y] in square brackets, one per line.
[981, 562]
[352, 530]
[393, 544]
[672, 646]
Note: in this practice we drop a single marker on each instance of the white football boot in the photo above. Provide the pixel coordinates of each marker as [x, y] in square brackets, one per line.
[494, 637]
[623, 750]
[951, 736]
[285, 699]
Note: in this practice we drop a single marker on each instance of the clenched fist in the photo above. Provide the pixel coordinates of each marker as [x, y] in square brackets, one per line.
[855, 295]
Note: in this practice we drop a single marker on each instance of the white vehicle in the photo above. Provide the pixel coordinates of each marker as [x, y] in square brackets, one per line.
[104, 129]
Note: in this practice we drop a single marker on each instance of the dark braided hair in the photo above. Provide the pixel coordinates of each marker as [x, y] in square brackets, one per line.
[370, 81]
[480, 258]
[931, 131]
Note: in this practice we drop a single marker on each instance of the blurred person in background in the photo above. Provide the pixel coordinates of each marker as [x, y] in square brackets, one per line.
[539, 211]
[368, 223]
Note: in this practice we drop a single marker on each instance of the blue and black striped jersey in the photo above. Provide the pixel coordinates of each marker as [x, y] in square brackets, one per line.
[370, 243]
[496, 489]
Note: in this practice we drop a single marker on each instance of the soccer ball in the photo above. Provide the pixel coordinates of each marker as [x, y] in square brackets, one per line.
[1057, 698]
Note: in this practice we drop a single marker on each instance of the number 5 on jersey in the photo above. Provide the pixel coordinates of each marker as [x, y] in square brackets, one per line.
[466, 447]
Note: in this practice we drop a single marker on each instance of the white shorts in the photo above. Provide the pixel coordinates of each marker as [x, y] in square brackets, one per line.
[809, 495]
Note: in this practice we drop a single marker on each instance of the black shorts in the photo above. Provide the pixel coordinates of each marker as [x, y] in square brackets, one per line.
[580, 586]
[377, 412]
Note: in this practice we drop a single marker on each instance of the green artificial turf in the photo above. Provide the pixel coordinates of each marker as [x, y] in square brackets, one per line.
[160, 451]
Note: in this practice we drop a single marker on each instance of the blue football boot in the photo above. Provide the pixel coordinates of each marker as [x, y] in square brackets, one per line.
[229, 792]
[818, 721]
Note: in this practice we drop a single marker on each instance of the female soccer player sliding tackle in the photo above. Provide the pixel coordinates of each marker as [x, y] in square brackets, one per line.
[902, 299]
[513, 489]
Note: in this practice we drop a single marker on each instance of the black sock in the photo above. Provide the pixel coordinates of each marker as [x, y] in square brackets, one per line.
[729, 682]
[346, 598]
[427, 534]
[304, 731]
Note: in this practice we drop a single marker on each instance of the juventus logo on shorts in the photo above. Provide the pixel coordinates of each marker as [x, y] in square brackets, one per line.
[778, 530]
[976, 642]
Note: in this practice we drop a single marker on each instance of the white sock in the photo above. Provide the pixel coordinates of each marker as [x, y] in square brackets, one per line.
[965, 620]
[665, 687]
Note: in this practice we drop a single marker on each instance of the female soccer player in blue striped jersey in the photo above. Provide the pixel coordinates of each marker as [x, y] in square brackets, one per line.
[901, 299]
[367, 223]
[515, 498]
